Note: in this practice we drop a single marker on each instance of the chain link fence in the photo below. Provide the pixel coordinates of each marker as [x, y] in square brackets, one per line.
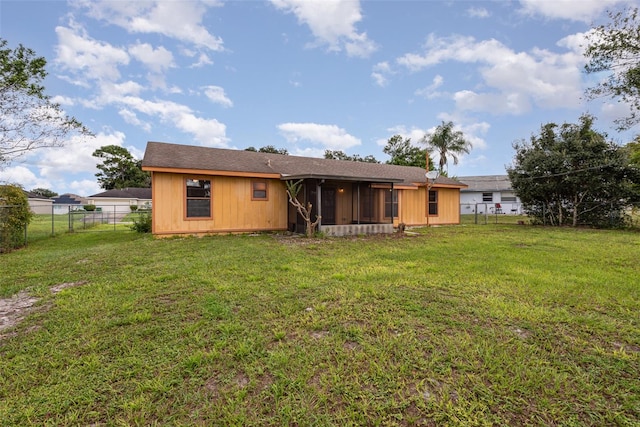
[492, 213]
[49, 220]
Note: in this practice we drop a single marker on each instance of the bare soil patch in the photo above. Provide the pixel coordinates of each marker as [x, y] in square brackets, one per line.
[15, 308]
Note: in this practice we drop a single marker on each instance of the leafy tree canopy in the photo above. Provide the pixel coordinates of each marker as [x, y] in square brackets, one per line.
[404, 154]
[571, 175]
[119, 169]
[44, 192]
[14, 217]
[341, 155]
[634, 151]
[446, 142]
[614, 48]
[28, 118]
[268, 149]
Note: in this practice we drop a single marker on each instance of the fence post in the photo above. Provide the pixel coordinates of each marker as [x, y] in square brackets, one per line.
[53, 232]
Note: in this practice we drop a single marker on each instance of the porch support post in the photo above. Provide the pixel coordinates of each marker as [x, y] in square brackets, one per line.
[319, 202]
[392, 203]
[358, 204]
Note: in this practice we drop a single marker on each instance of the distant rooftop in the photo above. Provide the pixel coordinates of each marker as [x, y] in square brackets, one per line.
[126, 193]
[486, 183]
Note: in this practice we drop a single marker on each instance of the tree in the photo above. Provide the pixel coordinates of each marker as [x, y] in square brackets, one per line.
[28, 118]
[293, 188]
[15, 215]
[341, 155]
[447, 143]
[268, 149]
[615, 48]
[571, 175]
[44, 192]
[119, 169]
[404, 154]
[634, 151]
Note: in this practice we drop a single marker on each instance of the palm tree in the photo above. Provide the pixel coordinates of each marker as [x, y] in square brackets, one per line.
[447, 143]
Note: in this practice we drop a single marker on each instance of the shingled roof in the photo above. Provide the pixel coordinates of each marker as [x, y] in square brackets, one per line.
[487, 183]
[163, 156]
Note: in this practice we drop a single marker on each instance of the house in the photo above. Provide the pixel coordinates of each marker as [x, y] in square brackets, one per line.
[39, 205]
[121, 200]
[488, 194]
[200, 190]
[67, 202]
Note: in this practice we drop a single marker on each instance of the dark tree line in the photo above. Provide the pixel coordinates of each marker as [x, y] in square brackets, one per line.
[570, 174]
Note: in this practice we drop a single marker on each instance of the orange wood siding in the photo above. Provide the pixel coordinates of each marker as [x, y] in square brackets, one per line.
[231, 206]
[413, 208]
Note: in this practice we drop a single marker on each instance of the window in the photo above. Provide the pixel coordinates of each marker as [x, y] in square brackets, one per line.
[390, 203]
[198, 198]
[259, 190]
[433, 202]
[487, 197]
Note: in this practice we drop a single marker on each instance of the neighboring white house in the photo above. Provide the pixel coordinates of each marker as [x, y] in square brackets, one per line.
[67, 202]
[488, 194]
[120, 201]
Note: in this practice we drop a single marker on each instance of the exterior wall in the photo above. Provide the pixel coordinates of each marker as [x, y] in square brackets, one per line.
[413, 207]
[470, 201]
[41, 206]
[118, 205]
[231, 206]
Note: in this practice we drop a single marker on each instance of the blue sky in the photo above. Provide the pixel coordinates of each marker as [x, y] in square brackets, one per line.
[305, 75]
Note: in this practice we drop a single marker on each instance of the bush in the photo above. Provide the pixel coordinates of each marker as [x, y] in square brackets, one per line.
[142, 224]
[133, 208]
[89, 208]
[15, 214]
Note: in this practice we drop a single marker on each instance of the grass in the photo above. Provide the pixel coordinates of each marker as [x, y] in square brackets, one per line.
[468, 325]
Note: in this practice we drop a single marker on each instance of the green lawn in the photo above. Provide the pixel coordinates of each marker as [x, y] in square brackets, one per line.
[466, 325]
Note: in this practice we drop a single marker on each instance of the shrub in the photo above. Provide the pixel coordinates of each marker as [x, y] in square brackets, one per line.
[15, 214]
[133, 208]
[142, 224]
[89, 208]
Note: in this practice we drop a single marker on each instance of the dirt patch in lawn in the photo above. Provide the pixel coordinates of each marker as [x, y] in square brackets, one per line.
[14, 309]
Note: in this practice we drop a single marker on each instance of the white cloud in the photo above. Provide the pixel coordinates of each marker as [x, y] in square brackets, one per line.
[513, 80]
[380, 72]
[203, 59]
[63, 100]
[330, 137]
[415, 134]
[332, 22]
[157, 60]
[86, 57]
[478, 12]
[181, 20]
[583, 10]
[430, 92]
[208, 132]
[216, 94]
[75, 157]
[84, 187]
[21, 175]
[130, 117]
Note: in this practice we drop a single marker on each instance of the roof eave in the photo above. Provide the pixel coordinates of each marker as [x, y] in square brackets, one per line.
[342, 178]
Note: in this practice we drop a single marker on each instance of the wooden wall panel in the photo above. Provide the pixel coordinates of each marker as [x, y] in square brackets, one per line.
[413, 207]
[232, 207]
